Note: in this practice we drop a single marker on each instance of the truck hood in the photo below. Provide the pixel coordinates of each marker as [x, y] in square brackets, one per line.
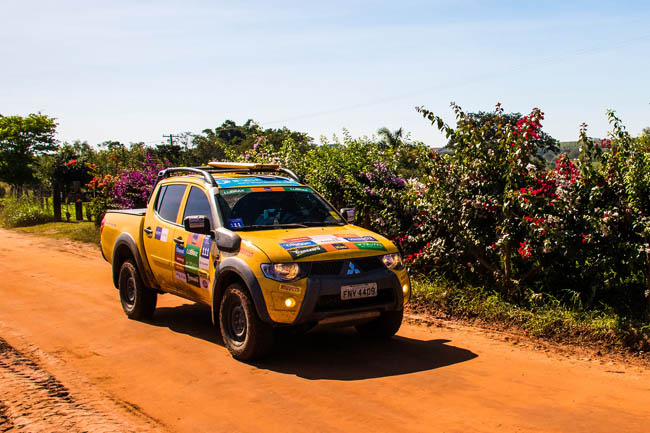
[318, 243]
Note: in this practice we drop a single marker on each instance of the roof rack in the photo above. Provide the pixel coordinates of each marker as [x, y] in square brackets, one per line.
[162, 174]
[248, 167]
[227, 167]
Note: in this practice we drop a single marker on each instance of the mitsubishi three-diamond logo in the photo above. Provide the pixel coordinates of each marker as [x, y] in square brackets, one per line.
[352, 269]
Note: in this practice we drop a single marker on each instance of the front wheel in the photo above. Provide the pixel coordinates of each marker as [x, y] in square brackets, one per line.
[384, 326]
[138, 301]
[243, 333]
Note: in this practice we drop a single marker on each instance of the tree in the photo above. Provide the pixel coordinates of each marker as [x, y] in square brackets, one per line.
[390, 138]
[22, 139]
[490, 123]
[233, 139]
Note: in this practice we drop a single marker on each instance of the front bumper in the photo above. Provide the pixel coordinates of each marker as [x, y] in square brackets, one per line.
[322, 300]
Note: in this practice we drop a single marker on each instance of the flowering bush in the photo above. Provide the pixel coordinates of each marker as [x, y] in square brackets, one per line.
[489, 213]
[130, 188]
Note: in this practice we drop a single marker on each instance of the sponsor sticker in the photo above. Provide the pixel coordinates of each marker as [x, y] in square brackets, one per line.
[195, 239]
[340, 246]
[267, 188]
[192, 257]
[298, 253]
[161, 234]
[360, 239]
[179, 256]
[297, 189]
[304, 238]
[197, 222]
[370, 246]
[206, 248]
[326, 239]
[231, 191]
[180, 275]
[229, 182]
[290, 289]
[289, 245]
[193, 279]
[205, 283]
[235, 223]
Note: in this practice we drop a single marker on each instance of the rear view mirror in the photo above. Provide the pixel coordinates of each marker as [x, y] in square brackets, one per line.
[348, 213]
[197, 224]
[227, 240]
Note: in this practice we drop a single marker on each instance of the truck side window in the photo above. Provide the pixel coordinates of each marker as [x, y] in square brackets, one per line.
[171, 202]
[159, 197]
[198, 204]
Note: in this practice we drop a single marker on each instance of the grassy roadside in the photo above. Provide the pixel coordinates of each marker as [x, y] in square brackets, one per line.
[549, 321]
[72, 230]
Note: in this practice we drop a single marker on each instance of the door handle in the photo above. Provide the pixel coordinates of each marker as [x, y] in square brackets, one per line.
[148, 231]
[179, 240]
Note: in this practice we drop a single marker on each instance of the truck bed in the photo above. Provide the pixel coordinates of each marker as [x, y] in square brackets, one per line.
[138, 212]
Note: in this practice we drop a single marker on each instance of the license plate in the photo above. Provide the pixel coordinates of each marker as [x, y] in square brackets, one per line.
[356, 291]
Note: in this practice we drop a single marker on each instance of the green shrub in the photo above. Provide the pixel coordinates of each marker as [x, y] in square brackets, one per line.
[22, 212]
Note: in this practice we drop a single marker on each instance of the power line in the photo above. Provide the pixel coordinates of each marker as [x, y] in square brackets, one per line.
[479, 78]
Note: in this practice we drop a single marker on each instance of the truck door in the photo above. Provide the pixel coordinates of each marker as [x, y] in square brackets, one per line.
[193, 259]
[159, 225]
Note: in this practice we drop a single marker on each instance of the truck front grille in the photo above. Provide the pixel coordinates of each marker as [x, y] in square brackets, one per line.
[338, 267]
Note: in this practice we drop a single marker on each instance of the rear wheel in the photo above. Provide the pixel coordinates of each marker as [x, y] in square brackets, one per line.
[243, 333]
[138, 301]
[384, 326]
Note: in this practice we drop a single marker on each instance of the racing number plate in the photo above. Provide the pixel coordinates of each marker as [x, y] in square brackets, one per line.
[356, 291]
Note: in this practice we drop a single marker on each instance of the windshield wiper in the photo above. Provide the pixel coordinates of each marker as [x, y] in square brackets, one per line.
[271, 227]
[322, 223]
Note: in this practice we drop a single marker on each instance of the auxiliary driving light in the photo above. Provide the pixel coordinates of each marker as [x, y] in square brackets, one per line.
[405, 288]
[289, 302]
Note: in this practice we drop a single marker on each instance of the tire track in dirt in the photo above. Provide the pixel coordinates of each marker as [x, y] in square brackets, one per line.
[35, 401]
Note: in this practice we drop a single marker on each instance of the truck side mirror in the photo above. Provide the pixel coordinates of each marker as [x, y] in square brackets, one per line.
[197, 224]
[227, 240]
[348, 213]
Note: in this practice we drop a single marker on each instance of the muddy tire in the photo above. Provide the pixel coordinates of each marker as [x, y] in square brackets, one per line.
[384, 326]
[138, 301]
[244, 334]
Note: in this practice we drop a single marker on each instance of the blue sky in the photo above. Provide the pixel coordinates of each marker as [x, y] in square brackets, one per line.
[134, 70]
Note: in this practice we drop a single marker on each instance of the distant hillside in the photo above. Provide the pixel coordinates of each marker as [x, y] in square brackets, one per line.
[571, 148]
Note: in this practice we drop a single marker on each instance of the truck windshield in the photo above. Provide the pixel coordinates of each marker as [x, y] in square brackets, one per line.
[259, 208]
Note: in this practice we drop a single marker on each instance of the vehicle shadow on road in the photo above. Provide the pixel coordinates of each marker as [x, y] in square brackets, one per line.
[190, 319]
[329, 354]
[341, 354]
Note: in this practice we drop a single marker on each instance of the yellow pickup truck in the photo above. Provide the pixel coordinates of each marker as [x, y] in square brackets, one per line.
[258, 246]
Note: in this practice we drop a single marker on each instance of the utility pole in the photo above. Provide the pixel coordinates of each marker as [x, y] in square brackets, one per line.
[171, 138]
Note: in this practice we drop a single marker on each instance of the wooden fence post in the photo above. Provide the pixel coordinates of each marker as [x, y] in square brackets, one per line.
[56, 201]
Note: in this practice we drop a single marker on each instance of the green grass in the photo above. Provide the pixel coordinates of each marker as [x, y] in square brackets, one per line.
[74, 230]
[545, 319]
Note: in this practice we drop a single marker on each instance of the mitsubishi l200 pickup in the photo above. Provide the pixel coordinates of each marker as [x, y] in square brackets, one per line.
[258, 246]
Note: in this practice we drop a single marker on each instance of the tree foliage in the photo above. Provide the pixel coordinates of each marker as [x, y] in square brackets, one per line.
[22, 139]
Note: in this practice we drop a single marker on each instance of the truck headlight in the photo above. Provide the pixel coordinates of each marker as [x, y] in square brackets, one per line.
[283, 271]
[393, 261]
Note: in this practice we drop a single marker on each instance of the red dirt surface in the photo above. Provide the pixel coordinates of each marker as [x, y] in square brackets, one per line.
[71, 361]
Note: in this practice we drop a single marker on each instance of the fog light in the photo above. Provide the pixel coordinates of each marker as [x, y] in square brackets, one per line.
[289, 302]
[405, 288]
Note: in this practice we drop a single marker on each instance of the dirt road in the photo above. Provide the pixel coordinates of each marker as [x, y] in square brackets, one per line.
[68, 351]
